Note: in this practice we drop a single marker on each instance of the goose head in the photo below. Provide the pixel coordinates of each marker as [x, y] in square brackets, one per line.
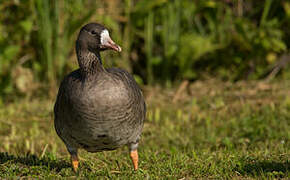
[95, 37]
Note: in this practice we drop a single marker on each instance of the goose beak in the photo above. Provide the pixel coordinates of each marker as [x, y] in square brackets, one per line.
[110, 44]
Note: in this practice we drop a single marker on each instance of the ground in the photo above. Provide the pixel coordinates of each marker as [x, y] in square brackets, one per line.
[209, 129]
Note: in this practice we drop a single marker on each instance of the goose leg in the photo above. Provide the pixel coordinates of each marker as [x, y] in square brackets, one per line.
[74, 158]
[134, 158]
[134, 154]
[75, 162]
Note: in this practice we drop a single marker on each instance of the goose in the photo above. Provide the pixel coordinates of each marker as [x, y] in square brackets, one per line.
[98, 109]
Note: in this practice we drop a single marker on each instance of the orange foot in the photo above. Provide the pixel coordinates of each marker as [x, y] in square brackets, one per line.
[134, 157]
[75, 162]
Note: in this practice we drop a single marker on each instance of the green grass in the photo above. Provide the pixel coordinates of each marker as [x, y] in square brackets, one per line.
[215, 130]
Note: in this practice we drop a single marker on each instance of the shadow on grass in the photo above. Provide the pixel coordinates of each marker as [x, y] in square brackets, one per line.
[262, 168]
[32, 160]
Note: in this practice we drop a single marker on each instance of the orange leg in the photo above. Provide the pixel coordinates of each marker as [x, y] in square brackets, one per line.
[75, 162]
[134, 157]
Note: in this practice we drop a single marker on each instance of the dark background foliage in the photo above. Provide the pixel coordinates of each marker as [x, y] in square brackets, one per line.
[163, 41]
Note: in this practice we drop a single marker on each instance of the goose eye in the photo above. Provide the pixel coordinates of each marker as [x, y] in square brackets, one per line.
[93, 32]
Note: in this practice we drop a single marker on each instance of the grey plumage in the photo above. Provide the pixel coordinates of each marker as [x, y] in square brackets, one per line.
[96, 108]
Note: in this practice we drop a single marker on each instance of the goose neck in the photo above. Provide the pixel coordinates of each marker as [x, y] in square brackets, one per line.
[90, 63]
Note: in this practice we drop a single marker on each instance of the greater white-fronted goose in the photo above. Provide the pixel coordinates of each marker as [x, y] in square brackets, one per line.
[98, 109]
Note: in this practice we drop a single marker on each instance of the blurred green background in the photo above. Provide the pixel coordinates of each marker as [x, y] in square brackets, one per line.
[215, 75]
[163, 41]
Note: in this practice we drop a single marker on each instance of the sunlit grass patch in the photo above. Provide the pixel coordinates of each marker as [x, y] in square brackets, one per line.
[213, 131]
